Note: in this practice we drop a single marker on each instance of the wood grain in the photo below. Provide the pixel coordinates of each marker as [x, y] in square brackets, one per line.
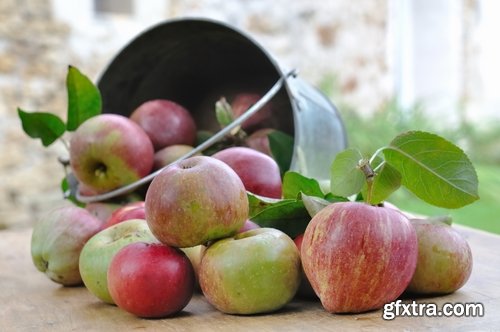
[31, 302]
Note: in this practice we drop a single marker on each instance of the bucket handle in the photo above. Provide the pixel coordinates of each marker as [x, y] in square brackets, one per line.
[203, 146]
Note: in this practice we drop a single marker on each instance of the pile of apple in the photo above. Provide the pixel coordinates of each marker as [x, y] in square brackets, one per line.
[192, 230]
[145, 256]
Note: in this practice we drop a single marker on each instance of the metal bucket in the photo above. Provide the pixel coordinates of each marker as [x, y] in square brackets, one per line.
[195, 61]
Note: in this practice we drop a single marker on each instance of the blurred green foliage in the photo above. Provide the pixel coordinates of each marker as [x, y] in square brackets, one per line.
[481, 143]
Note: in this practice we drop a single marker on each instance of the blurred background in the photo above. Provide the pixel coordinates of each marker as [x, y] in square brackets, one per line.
[388, 65]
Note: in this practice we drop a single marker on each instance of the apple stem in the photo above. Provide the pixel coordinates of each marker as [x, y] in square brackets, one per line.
[365, 166]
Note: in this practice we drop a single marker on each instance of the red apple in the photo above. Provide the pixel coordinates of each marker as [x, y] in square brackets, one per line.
[194, 201]
[166, 123]
[171, 153]
[242, 102]
[259, 140]
[248, 225]
[358, 257]
[108, 151]
[259, 172]
[150, 280]
[133, 210]
[444, 258]
[305, 288]
[102, 210]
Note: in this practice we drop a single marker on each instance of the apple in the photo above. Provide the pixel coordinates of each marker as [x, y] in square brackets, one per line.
[257, 271]
[259, 172]
[305, 289]
[57, 240]
[150, 280]
[358, 257]
[195, 254]
[171, 153]
[97, 253]
[242, 102]
[166, 123]
[259, 140]
[248, 225]
[444, 258]
[102, 210]
[108, 151]
[194, 201]
[133, 210]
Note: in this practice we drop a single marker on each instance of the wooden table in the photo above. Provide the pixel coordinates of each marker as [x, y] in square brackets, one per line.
[31, 302]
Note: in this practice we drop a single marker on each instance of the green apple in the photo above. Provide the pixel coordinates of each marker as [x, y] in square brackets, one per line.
[57, 240]
[98, 252]
[257, 271]
[195, 254]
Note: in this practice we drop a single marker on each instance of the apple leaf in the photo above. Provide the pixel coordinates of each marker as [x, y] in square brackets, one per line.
[386, 181]
[281, 146]
[434, 169]
[46, 126]
[294, 183]
[84, 98]
[288, 215]
[223, 112]
[314, 204]
[346, 178]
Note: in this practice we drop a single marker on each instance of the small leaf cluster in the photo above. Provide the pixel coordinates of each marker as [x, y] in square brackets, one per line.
[84, 102]
[434, 169]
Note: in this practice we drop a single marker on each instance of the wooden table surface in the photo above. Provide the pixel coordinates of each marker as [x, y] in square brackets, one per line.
[29, 301]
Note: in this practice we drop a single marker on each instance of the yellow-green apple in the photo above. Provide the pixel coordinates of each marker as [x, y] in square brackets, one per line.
[57, 240]
[242, 102]
[194, 201]
[257, 271]
[108, 151]
[195, 254]
[132, 210]
[166, 123]
[305, 289]
[150, 280]
[97, 253]
[259, 140]
[259, 172]
[444, 258]
[171, 153]
[358, 257]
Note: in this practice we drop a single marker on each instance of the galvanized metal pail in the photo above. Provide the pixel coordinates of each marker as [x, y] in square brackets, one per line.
[195, 61]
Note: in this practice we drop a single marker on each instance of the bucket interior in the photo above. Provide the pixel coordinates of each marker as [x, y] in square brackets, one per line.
[194, 63]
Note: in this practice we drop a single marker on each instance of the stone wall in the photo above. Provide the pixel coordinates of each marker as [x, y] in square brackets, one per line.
[338, 45]
[320, 38]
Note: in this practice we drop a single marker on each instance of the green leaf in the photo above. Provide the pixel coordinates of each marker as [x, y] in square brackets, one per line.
[346, 178]
[386, 181]
[434, 169]
[294, 183]
[45, 126]
[281, 146]
[314, 204]
[223, 112]
[84, 98]
[288, 215]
